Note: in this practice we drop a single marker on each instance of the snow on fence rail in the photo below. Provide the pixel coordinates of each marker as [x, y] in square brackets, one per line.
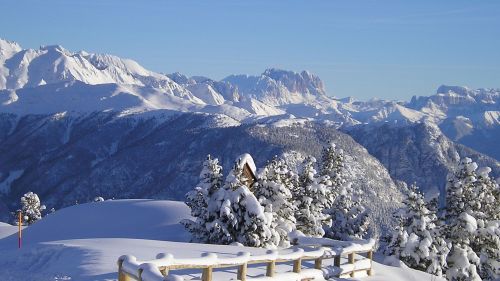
[129, 268]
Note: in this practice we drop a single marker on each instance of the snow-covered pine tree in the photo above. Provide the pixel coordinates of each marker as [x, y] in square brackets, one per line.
[242, 215]
[424, 249]
[486, 241]
[461, 226]
[310, 198]
[463, 262]
[397, 238]
[461, 191]
[332, 171]
[393, 240]
[274, 191]
[31, 208]
[349, 216]
[205, 228]
[344, 205]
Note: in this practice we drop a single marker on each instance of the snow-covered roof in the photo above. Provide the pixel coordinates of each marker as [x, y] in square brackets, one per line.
[247, 159]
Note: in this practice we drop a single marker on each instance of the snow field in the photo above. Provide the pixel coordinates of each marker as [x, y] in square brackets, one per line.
[7, 229]
[84, 242]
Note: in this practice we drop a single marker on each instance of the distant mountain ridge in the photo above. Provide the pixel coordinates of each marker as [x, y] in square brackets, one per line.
[52, 79]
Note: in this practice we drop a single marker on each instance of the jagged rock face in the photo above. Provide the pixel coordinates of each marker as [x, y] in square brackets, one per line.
[303, 82]
[418, 153]
[279, 87]
[66, 158]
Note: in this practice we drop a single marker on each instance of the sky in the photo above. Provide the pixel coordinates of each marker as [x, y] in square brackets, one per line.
[391, 49]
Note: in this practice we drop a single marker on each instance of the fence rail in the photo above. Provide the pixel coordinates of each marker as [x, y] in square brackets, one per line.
[359, 259]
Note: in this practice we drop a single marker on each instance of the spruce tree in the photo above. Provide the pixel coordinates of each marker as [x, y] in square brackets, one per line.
[274, 191]
[463, 262]
[488, 248]
[424, 247]
[486, 242]
[311, 200]
[332, 172]
[462, 206]
[349, 217]
[396, 239]
[417, 239]
[205, 228]
[344, 204]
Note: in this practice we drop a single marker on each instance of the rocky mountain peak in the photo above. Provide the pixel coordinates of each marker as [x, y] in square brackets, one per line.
[460, 90]
[303, 82]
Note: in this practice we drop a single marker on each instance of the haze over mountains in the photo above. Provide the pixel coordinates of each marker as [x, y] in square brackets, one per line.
[78, 125]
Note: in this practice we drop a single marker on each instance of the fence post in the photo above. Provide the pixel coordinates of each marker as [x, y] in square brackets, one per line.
[370, 256]
[351, 261]
[297, 264]
[139, 274]
[317, 263]
[164, 270]
[207, 274]
[336, 261]
[242, 272]
[122, 276]
[270, 268]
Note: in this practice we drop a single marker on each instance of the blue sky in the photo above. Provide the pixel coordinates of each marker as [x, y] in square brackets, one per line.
[372, 48]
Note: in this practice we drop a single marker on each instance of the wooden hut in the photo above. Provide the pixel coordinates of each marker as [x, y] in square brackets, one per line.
[249, 170]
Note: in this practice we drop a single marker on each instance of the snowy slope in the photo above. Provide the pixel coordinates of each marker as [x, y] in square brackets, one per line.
[82, 98]
[83, 242]
[7, 229]
[109, 219]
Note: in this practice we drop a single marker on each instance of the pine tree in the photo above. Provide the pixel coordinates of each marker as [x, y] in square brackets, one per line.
[332, 172]
[349, 217]
[462, 206]
[397, 238]
[242, 215]
[417, 239]
[205, 227]
[344, 205]
[274, 191]
[311, 200]
[424, 247]
[488, 195]
[461, 191]
[486, 242]
[31, 208]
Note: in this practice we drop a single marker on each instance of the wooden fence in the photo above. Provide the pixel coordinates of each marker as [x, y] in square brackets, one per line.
[359, 259]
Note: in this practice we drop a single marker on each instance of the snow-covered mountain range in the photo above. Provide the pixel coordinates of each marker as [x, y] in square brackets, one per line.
[77, 125]
[52, 79]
